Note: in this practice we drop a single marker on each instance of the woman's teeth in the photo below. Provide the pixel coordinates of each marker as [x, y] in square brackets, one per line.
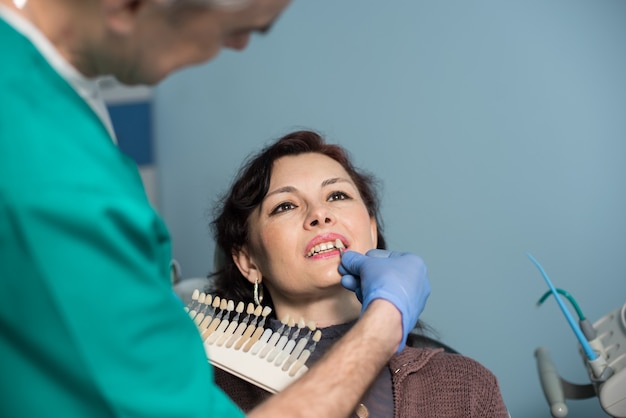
[326, 246]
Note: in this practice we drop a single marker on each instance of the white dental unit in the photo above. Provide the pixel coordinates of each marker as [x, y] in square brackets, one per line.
[603, 351]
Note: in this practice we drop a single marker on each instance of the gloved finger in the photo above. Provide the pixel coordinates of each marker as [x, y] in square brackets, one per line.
[376, 253]
[351, 263]
[350, 282]
[342, 270]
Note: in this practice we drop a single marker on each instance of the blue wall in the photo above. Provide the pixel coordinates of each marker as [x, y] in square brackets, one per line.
[497, 128]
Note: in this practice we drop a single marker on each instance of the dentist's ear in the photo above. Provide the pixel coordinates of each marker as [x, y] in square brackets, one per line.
[121, 15]
[246, 265]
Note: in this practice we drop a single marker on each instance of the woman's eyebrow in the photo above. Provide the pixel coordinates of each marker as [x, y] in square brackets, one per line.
[291, 189]
[285, 189]
[334, 180]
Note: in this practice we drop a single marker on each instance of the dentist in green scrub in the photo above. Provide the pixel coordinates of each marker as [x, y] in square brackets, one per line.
[89, 325]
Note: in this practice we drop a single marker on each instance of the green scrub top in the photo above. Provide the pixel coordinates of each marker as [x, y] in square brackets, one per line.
[89, 325]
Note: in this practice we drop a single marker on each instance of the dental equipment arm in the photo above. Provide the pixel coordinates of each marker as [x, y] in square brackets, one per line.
[585, 325]
[591, 355]
[604, 356]
[551, 383]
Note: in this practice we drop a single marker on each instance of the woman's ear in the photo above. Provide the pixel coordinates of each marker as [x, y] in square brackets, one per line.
[374, 231]
[246, 265]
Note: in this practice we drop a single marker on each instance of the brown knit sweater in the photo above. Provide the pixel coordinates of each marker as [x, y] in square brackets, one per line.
[431, 383]
[427, 383]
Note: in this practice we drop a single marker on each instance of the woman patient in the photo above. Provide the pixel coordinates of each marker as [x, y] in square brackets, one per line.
[279, 225]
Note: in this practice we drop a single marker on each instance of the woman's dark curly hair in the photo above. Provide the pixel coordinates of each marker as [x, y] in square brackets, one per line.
[230, 224]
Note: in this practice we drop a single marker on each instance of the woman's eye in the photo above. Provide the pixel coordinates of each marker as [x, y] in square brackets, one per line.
[282, 207]
[338, 196]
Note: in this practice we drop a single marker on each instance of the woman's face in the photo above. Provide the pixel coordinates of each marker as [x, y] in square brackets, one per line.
[311, 202]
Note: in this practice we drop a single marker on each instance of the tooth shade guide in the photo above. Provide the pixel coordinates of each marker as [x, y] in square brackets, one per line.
[261, 342]
[291, 351]
[228, 332]
[284, 352]
[216, 319]
[296, 368]
[282, 342]
[249, 329]
[194, 298]
[340, 246]
[241, 327]
[205, 303]
[194, 303]
[274, 338]
[234, 340]
[230, 306]
[212, 312]
[258, 332]
[217, 332]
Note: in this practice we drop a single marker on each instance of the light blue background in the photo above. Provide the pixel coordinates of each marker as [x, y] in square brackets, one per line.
[497, 128]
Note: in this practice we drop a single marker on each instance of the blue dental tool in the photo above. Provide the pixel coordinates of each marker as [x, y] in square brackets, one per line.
[591, 355]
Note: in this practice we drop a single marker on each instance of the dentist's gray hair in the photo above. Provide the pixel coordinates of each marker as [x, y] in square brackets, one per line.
[218, 4]
[228, 3]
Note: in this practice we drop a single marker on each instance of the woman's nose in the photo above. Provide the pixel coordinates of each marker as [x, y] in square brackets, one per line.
[237, 42]
[318, 216]
[315, 222]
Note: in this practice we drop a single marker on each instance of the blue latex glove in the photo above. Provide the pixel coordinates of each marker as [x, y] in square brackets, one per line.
[400, 278]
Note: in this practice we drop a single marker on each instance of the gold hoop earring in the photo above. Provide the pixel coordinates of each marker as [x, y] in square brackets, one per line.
[258, 292]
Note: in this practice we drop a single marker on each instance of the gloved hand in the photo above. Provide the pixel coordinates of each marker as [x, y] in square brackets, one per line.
[400, 278]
